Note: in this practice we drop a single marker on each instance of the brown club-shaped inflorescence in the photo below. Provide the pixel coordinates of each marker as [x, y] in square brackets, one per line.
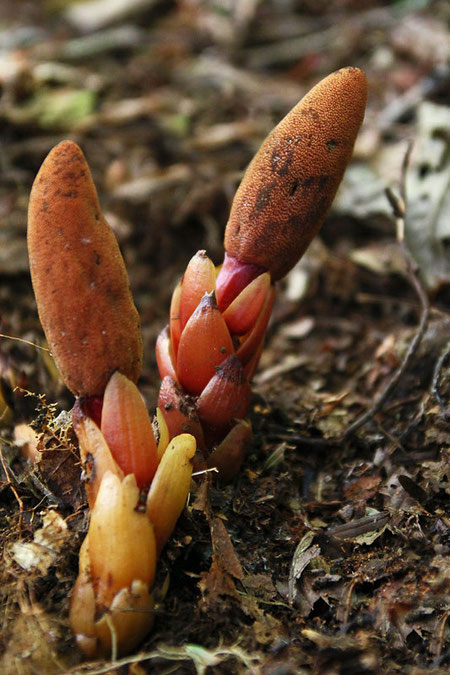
[79, 277]
[291, 182]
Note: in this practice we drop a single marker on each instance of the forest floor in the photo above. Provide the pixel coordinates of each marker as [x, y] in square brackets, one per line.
[329, 553]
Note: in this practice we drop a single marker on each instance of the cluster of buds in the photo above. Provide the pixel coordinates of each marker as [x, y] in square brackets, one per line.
[218, 317]
[206, 358]
[136, 490]
[136, 485]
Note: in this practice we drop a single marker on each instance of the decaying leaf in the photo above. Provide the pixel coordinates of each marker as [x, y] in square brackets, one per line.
[225, 567]
[303, 555]
[38, 555]
[428, 195]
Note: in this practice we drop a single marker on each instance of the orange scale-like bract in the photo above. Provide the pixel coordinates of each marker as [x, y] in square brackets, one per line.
[251, 366]
[95, 454]
[251, 342]
[227, 457]
[164, 355]
[199, 278]
[79, 277]
[175, 323]
[289, 185]
[128, 431]
[226, 396]
[243, 312]
[179, 412]
[204, 343]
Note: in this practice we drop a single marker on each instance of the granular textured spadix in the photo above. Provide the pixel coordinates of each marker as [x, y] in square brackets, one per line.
[289, 185]
[79, 277]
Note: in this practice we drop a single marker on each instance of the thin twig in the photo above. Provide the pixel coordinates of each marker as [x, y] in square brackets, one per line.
[304, 440]
[25, 342]
[436, 376]
[439, 639]
[411, 352]
[395, 441]
[10, 483]
[434, 391]
[414, 423]
[398, 204]
[42, 489]
[356, 528]
[348, 599]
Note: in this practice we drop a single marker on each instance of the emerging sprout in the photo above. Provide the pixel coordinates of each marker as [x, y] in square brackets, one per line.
[92, 327]
[218, 318]
[170, 486]
[111, 602]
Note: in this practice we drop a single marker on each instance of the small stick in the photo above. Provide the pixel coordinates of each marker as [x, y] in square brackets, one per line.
[436, 375]
[308, 442]
[25, 342]
[348, 600]
[355, 528]
[10, 483]
[434, 391]
[439, 637]
[112, 629]
[395, 441]
[42, 489]
[399, 208]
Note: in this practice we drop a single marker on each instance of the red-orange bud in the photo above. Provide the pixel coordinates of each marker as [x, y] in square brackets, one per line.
[226, 396]
[199, 278]
[241, 315]
[205, 342]
[128, 430]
